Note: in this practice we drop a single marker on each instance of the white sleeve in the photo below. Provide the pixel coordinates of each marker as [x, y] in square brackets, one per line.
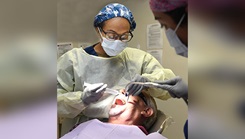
[154, 71]
[69, 102]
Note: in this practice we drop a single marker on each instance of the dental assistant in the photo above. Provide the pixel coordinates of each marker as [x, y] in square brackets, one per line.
[173, 16]
[109, 63]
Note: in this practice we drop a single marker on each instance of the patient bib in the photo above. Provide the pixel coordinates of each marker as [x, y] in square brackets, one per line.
[95, 129]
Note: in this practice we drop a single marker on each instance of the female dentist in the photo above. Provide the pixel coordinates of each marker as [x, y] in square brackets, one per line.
[108, 63]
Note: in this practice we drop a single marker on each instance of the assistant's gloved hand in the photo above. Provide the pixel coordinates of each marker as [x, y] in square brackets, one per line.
[135, 89]
[93, 92]
[175, 86]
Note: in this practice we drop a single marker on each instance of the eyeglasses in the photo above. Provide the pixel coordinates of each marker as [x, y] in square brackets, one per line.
[112, 36]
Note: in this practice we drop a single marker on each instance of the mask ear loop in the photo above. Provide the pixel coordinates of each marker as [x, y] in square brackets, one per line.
[99, 32]
[181, 19]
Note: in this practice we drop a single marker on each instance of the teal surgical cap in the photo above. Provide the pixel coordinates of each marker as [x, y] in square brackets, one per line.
[115, 10]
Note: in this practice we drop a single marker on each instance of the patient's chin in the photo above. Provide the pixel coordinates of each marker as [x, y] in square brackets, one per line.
[117, 110]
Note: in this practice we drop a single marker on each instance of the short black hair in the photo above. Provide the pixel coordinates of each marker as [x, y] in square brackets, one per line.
[142, 96]
[101, 25]
[176, 14]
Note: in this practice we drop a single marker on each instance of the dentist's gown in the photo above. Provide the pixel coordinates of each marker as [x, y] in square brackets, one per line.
[76, 67]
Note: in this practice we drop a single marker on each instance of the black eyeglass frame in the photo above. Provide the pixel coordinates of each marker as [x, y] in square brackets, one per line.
[118, 36]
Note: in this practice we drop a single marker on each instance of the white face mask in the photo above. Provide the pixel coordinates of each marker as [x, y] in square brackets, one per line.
[175, 42]
[112, 48]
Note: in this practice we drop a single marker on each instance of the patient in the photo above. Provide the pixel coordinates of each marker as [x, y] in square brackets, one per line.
[127, 119]
[137, 110]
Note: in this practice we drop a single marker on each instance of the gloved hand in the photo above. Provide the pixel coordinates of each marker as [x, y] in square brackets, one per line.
[135, 89]
[93, 92]
[175, 86]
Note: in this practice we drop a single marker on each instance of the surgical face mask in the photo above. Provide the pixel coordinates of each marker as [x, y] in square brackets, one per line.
[112, 48]
[175, 42]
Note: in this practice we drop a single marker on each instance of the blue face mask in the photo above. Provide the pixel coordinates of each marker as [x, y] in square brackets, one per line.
[175, 42]
[112, 48]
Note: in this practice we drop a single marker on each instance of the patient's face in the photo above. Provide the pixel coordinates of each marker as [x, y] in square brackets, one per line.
[129, 113]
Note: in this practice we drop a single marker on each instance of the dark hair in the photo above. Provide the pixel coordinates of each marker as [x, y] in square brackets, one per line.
[176, 14]
[101, 25]
[141, 95]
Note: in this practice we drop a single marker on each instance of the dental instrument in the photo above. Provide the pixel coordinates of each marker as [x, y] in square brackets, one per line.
[146, 84]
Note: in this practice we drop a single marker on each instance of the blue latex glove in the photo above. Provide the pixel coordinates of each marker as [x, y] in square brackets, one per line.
[135, 89]
[175, 86]
[93, 92]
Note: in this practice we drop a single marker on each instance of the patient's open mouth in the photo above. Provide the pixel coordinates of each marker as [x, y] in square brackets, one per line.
[120, 102]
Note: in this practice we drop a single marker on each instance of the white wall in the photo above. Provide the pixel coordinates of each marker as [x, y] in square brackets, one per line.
[75, 24]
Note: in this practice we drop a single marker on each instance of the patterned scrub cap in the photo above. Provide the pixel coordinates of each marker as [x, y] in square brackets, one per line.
[114, 10]
[166, 5]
